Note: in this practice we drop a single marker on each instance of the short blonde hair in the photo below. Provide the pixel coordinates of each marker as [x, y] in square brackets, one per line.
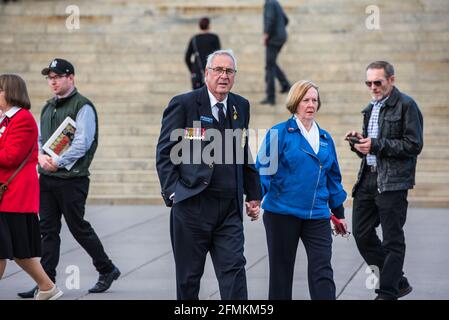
[16, 94]
[297, 92]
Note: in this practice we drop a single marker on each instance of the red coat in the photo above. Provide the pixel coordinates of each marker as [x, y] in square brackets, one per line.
[16, 142]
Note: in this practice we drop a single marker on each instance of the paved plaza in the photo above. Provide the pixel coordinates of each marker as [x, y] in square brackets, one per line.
[138, 241]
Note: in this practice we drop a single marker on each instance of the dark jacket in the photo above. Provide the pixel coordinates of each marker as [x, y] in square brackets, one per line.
[398, 144]
[192, 176]
[206, 43]
[274, 23]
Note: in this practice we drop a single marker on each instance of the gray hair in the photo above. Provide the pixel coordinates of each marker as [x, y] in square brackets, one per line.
[388, 68]
[227, 52]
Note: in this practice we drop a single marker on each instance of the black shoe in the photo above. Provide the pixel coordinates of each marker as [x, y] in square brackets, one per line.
[28, 294]
[382, 297]
[268, 101]
[105, 281]
[404, 287]
[285, 89]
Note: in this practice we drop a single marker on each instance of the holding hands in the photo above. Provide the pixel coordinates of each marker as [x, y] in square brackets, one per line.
[253, 209]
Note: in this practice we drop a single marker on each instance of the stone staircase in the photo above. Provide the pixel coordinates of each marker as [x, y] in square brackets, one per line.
[128, 57]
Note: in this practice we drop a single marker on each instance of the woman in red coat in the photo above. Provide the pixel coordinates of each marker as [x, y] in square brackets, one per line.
[19, 205]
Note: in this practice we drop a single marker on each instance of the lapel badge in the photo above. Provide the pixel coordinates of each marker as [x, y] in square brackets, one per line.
[234, 115]
[206, 119]
[291, 129]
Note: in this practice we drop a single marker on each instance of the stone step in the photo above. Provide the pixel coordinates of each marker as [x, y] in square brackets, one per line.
[423, 179]
[144, 190]
[129, 61]
[416, 202]
[148, 137]
[250, 35]
[348, 165]
[194, 7]
[125, 151]
[123, 164]
[31, 63]
[433, 149]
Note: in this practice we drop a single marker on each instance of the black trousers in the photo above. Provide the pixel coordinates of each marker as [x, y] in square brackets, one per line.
[389, 209]
[272, 70]
[283, 233]
[67, 197]
[202, 224]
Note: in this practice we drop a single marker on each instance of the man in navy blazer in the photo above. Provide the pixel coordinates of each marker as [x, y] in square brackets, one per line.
[205, 168]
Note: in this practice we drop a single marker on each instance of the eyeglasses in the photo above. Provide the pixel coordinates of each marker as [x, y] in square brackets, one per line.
[56, 77]
[376, 83]
[219, 71]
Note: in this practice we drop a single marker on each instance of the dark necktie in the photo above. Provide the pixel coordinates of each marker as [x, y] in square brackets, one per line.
[221, 114]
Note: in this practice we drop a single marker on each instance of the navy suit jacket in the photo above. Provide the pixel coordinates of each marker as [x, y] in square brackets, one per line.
[189, 179]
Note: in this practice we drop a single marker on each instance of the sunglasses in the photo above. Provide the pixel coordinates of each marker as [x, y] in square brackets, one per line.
[376, 83]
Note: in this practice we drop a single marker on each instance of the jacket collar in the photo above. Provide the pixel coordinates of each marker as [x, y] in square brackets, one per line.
[204, 107]
[391, 101]
[292, 126]
[394, 97]
[11, 112]
[203, 102]
[55, 101]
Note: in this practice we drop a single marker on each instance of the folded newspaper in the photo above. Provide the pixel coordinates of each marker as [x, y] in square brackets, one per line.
[61, 140]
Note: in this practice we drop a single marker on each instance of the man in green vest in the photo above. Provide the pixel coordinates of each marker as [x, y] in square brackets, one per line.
[64, 174]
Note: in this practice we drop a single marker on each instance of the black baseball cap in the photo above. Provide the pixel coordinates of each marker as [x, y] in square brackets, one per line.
[59, 66]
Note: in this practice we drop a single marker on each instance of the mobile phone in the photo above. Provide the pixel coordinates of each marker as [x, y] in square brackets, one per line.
[353, 139]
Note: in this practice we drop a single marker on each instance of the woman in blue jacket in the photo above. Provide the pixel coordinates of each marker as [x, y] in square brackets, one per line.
[301, 181]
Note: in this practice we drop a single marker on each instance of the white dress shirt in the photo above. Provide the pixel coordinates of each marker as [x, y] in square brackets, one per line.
[10, 113]
[312, 136]
[214, 101]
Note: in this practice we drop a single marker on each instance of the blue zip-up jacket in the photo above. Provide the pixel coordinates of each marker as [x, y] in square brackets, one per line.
[303, 184]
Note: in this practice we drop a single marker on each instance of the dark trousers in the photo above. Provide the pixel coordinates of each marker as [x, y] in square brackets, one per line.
[389, 209]
[272, 70]
[202, 224]
[283, 233]
[67, 197]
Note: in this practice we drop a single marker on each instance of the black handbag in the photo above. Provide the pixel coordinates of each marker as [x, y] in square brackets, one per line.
[197, 78]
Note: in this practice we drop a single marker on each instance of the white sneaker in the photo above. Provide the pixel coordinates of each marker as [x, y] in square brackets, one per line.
[52, 294]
